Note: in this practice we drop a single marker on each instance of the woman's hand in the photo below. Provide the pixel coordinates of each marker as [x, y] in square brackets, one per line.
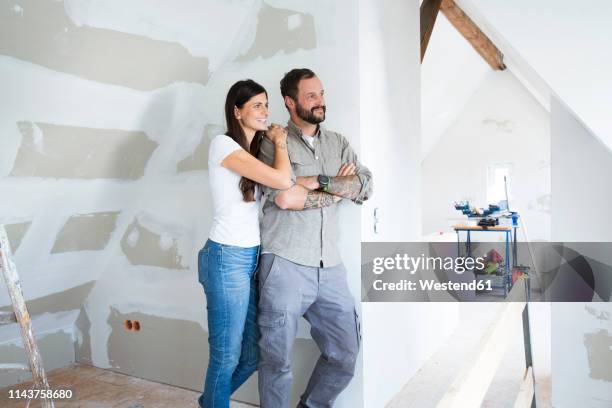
[277, 134]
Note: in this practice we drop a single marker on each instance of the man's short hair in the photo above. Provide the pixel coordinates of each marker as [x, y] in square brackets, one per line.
[289, 83]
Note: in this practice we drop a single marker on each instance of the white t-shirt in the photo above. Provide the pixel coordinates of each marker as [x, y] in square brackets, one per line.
[235, 222]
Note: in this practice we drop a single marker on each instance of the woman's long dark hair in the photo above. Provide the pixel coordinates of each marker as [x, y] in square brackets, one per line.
[237, 96]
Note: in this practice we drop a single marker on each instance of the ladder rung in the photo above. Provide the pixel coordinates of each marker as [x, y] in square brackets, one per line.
[14, 367]
[7, 318]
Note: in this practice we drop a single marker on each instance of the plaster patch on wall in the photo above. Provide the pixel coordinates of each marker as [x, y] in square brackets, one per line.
[184, 363]
[599, 350]
[541, 204]
[142, 246]
[70, 299]
[56, 350]
[46, 36]
[16, 232]
[294, 21]
[167, 22]
[506, 126]
[82, 344]
[281, 30]
[49, 150]
[198, 160]
[86, 232]
[18, 10]
[602, 315]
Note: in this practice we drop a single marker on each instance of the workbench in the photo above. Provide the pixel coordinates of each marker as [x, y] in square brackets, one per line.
[510, 238]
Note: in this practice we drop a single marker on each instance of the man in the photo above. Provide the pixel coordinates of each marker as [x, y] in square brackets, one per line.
[300, 272]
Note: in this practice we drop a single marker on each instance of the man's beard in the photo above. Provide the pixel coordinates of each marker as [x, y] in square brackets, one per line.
[309, 115]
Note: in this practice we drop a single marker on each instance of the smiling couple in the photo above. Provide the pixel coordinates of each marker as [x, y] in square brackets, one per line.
[298, 175]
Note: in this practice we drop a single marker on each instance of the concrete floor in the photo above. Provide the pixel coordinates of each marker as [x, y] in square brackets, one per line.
[97, 388]
[430, 383]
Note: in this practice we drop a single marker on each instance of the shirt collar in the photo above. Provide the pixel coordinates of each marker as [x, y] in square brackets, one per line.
[295, 129]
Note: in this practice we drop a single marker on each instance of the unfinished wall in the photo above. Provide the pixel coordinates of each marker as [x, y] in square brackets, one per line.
[53, 318]
[107, 112]
[501, 123]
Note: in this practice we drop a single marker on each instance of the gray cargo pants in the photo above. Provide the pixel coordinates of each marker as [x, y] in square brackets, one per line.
[288, 291]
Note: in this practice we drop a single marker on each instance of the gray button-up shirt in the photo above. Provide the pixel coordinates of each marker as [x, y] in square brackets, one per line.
[308, 237]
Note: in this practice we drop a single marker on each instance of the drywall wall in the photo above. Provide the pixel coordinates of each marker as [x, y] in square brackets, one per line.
[56, 349]
[108, 110]
[53, 319]
[500, 123]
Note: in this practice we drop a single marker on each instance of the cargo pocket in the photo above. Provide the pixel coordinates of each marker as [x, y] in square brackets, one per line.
[272, 329]
[271, 318]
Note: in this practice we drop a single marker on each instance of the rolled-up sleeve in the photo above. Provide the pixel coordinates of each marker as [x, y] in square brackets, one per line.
[363, 173]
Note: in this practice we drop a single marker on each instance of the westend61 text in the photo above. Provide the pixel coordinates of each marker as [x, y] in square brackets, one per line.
[428, 285]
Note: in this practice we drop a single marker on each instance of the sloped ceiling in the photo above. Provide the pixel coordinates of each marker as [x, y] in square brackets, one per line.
[566, 43]
[450, 73]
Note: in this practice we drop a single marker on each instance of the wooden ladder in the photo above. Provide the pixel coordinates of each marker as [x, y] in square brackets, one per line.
[21, 316]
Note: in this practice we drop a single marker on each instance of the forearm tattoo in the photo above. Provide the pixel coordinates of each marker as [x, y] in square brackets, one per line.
[318, 199]
[345, 186]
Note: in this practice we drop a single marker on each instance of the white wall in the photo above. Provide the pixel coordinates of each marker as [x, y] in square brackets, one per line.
[502, 123]
[390, 121]
[564, 43]
[444, 91]
[581, 168]
[581, 188]
[399, 337]
[581, 360]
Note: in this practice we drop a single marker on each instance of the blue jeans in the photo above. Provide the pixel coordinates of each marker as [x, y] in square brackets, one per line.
[226, 273]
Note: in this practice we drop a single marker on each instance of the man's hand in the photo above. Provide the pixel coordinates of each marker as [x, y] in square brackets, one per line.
[347, 169]
[312, 182]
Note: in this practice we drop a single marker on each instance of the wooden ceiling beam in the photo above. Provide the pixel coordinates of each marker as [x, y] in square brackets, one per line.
[470, 31]
[429, 12]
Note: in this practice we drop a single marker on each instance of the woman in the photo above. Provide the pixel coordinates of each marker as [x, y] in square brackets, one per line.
[227, 262]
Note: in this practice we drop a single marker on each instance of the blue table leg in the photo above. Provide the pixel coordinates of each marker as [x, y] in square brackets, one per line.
[468, 245]
[507, 277]
[458, 244]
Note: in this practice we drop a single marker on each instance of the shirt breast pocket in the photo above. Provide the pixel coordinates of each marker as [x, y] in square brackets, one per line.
[304, 168]
[332, 165]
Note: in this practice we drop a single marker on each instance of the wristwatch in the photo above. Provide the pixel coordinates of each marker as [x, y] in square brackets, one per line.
[323, 182]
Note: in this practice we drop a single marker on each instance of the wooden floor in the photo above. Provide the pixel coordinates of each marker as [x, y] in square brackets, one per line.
[97, 388]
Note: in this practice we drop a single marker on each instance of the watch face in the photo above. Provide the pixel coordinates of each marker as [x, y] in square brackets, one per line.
[323, 180]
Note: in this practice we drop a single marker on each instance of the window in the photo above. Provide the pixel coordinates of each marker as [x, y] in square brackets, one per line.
[496, 190]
